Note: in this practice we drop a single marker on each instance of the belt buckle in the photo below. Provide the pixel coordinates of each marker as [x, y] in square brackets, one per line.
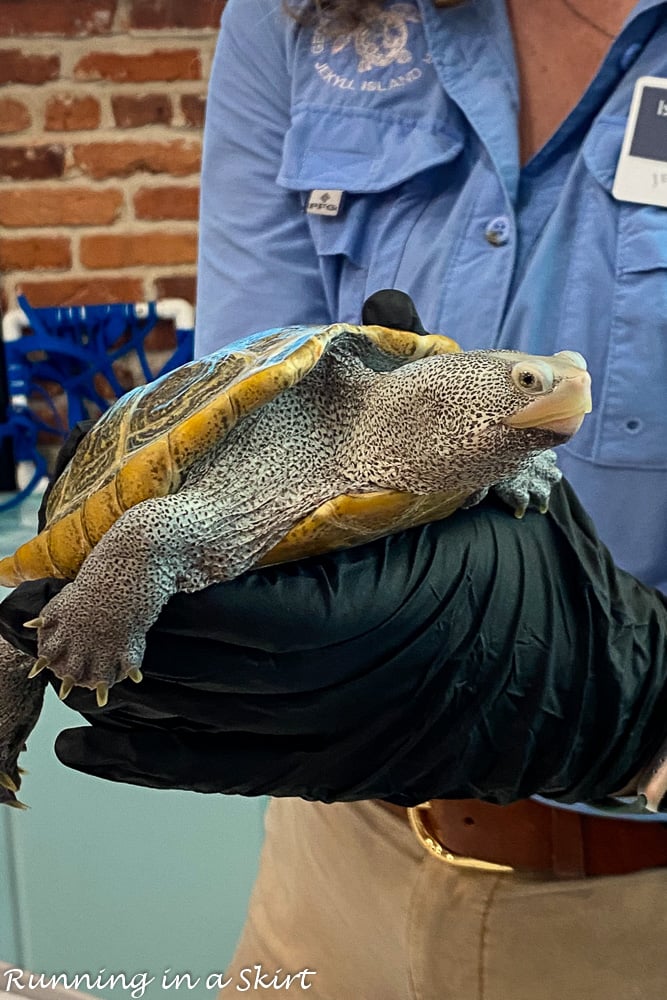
[429, 841]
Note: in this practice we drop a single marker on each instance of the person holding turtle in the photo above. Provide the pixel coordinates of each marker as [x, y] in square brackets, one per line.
[451, 721]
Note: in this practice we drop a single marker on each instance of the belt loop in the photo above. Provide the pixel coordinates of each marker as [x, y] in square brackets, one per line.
[567, 843]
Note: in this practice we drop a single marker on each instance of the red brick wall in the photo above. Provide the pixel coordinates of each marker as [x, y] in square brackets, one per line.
[101, 112]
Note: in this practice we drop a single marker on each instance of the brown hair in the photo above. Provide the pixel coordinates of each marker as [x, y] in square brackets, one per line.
[341, 17]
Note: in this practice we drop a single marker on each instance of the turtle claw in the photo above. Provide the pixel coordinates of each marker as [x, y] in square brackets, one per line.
[65, 688]
[20, 704]
[7, 782]
[34, 623]
[39, 665]
[531, 486]
[8, 797]
[83, 647]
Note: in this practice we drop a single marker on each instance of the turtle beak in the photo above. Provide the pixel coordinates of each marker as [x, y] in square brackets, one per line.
[563, 408]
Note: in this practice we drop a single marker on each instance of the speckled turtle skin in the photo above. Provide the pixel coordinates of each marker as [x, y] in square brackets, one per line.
[289, 443]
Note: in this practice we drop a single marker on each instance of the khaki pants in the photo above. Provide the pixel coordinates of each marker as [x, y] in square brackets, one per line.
[346, 892]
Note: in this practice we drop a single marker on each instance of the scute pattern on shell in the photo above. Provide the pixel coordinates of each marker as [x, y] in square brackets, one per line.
[103, 452]
[147, 415]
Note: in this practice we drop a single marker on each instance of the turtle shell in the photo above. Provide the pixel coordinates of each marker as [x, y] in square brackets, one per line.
[145, 443]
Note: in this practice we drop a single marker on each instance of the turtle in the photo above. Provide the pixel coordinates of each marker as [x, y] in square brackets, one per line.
[289, 443]
[384, 43]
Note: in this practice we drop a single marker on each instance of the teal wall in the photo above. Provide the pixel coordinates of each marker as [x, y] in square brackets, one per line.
[104, 876]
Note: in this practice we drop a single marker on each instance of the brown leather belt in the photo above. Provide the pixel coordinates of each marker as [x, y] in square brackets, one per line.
[531, 836]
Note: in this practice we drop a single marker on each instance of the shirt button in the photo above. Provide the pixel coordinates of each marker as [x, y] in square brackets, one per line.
[497, 232]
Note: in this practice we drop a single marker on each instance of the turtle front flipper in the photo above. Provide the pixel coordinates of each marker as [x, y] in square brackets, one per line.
[21, 698]
[530, 486]
[92, 634]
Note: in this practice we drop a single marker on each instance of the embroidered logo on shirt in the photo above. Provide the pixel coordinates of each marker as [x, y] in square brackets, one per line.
[377, 46]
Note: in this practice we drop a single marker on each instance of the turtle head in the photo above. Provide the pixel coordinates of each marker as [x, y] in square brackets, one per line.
[500, 407]
[553, 394]
[468, 420]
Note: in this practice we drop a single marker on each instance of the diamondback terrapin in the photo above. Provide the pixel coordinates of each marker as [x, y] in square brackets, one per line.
[289, 443]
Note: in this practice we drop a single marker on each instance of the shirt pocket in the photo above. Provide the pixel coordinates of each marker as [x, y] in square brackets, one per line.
[385, 166]
[631, 419]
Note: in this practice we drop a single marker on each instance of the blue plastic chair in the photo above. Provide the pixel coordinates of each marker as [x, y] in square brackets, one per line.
[73, 347]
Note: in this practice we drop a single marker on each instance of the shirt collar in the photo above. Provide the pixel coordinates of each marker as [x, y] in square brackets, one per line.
[472, 51]
[642, 6]
[473, 54]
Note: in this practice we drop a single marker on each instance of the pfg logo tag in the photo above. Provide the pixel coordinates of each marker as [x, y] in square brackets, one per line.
[324, 202]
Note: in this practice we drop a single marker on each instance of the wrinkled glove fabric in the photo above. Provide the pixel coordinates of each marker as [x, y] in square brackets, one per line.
[478, 657]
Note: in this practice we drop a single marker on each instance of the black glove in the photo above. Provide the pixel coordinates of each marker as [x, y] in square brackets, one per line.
[476, 657]
[393, 309]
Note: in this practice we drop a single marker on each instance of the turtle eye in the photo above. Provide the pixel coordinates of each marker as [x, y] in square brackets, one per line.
[533, 379]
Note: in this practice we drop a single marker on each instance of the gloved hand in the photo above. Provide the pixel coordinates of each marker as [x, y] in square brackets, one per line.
[394, 309]
[476, 657]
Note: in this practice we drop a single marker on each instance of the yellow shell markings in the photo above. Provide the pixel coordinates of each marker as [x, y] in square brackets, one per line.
[348, 519]
[143, 445]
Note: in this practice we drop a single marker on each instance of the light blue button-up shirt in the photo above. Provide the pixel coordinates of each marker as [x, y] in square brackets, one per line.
[418, 127]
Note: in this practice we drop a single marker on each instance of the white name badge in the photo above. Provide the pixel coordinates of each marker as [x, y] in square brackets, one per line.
[641, 174]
